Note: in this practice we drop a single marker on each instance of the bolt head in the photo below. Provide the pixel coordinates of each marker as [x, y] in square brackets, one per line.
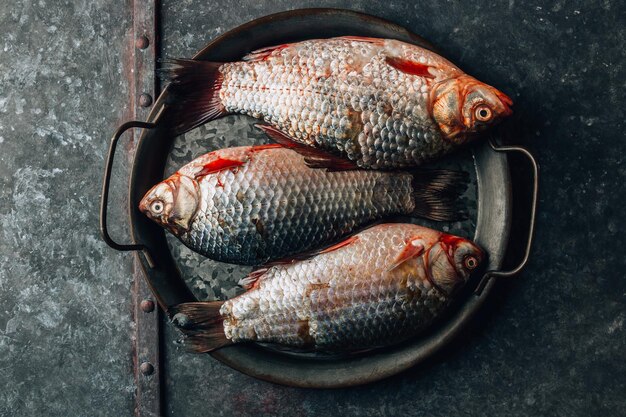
[147, 306]
[145, 100]
[142, 42]
[146, 368]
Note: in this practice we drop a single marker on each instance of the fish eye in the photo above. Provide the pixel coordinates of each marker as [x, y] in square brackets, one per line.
[470, 262]
[156, 207]
[483, 113]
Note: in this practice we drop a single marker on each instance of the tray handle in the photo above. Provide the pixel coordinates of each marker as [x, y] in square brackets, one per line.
[535, 167]
[105, 192]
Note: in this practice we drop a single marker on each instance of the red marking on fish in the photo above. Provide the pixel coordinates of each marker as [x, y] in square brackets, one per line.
[449, 243]
[450, 240]
[410, 67]
[219, 164]
[339, 245]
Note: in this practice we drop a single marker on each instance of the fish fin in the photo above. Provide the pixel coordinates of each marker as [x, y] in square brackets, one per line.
[280, 137]
[437, 194]
[250, 281]
[202, 324]
[409, 67]
[194, 92]
[303, 256]
[265, 146]
[376, 41]
[263, 53]
[330, 162]
[339, 245]
[313, 157]
[217, 165]
[413, 248]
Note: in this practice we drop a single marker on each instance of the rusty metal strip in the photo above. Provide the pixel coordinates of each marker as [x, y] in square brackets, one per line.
[147, 333]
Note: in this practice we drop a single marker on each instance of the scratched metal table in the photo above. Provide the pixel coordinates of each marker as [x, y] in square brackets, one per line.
[551, 342]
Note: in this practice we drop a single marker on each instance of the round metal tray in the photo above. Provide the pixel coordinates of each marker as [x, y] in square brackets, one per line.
[493, 215]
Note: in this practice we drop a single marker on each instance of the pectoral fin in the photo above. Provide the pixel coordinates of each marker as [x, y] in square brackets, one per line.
[413, 248]
[313, 157]
[410, 67]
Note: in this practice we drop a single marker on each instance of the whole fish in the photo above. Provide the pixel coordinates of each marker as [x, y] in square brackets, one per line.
[379, 287]
[381, 103]
[253, 204]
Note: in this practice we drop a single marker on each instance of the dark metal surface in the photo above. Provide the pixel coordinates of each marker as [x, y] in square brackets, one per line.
[551, 342]
[531, 224]
[148, 375]
[491, 233]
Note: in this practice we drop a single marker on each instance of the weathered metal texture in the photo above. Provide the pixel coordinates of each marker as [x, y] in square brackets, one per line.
[550, 342]
[147, 360]
[65, 315]
[302, 370]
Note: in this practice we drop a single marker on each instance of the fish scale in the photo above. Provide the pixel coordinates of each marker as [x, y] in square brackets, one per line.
[293, 209]
[346, 299]
[250, 205]
[380, 103]
[326, 102]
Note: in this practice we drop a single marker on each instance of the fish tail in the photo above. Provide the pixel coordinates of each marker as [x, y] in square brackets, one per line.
[202, 324]
[194, 92]
[437, 194]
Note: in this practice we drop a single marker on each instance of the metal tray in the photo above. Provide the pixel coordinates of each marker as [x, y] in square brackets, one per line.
[492, 214]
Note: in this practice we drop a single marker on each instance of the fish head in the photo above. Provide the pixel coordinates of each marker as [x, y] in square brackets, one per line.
[452, 260]
[463, 107]
[172, 203]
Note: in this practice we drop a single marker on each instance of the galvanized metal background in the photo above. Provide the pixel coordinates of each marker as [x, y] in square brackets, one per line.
[552, 343]
[66, 321]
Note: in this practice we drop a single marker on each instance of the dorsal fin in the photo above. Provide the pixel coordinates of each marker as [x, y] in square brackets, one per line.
[263, 53]
[303, 256]
[313, 157]
[410, 67]
[249, 281]
[376, 41]
[339, 245]
[265, 146]
[414, 247]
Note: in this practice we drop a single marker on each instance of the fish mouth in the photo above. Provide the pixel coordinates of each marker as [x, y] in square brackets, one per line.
[143, 204]
[505, 102]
